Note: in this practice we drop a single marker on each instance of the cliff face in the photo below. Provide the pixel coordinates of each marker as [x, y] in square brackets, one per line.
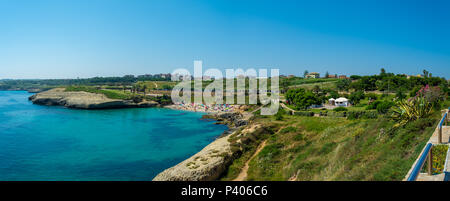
[83, 100]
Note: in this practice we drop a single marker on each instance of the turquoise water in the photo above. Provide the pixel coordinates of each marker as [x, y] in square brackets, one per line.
[56, 143]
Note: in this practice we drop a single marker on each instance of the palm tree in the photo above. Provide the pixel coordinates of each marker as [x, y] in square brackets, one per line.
[425, 73]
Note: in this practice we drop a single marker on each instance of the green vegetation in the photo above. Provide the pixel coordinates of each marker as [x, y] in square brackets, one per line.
[366, 145]
[439, 155]
[340, 109]
[300, 81]
[113, 94]
[302, 98]
[244, 147]
[420, 106]
[323, 148]
[389, 82]
[96, 81]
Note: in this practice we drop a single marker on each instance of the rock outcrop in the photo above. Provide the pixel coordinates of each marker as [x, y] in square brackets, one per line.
[210, 163]
[232, 119]
[84, 100]
[206, 165]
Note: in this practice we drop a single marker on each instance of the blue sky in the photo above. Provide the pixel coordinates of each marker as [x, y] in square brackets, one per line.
[87, 38]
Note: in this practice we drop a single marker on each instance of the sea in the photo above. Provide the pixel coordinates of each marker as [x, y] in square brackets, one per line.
[54, 143]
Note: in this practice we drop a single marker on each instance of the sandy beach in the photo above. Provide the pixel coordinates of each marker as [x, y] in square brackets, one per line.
[215, 108]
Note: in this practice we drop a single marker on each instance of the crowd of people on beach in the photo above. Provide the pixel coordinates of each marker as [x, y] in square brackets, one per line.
[199, 107]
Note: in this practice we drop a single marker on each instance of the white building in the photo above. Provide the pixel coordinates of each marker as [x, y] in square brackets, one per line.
[331, 101]
[341, 102]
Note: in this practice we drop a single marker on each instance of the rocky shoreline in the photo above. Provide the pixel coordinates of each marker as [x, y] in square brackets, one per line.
[210, 163]
[206, 165]
[84, 100]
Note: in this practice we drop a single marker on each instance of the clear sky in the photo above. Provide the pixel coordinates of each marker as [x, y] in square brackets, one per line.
[87, 38]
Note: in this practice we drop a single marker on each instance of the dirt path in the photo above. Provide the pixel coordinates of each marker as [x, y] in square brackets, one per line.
[243, 174]
[286, 107]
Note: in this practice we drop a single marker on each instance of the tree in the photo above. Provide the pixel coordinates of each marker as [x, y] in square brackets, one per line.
[136, 88]
[144, 88]
[316, 89]
[400, 94]
[355, 77]
[302, 99]
[382, 72]
[356, 96]
[334, 94]
[167, 87]
[383, 107]
[284, 85]
[425, 73]
[327, 74]
[372, 96]
[343, 84]
[305, 73]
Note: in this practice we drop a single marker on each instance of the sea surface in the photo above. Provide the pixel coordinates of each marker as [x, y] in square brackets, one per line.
[52, 143]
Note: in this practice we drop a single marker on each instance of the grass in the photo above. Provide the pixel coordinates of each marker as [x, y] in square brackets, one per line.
[322, 83]
[110, 93]
[317, 148]
[300, 81]
[156, 85]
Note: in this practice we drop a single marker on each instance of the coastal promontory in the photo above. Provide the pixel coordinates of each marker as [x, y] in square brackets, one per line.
[84, 100]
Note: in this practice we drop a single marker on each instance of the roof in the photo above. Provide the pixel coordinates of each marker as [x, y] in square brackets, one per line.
[341, 99]
[331, 99]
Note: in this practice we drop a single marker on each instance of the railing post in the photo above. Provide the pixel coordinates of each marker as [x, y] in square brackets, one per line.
[430, 161]
[446, 119]
[440, 135]
[420, 163]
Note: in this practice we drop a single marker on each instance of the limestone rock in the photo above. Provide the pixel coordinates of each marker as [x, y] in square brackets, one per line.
[84, 100]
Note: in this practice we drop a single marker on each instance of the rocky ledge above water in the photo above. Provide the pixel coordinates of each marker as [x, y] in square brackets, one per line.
[211, 161]
[84, 100]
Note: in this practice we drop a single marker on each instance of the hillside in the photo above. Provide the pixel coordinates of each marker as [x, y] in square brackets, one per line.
[330, 148]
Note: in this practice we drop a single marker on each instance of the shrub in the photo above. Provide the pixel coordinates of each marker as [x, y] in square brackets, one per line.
[411, 110]
[304, 113]
[433, 95]
[384, 107]
[362, 114]
[400, 94]
[373, 105]
[137, 99]
[370, 115]
[372, 96]
[336, 114]
[279, 115]
[340, 109]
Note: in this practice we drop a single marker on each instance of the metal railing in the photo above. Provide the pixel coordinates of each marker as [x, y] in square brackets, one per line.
[441, 123]
[427, 154]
